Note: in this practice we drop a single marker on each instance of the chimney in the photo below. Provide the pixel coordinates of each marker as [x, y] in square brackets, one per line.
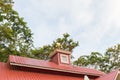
[60, 57]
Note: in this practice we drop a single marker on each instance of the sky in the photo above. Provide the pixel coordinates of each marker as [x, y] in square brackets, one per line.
[95, 24]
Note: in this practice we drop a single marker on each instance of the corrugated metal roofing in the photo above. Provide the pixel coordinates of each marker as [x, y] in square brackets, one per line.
[109, 76]
[50, 65]
[10, 74]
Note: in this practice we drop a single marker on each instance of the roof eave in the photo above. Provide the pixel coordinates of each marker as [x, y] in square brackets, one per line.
[54, 69]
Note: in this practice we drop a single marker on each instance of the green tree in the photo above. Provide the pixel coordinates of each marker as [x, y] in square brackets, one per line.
[65, 44]
[42, 52]
[112, 58]
[91, 61]
[106, 62]
[15, 36]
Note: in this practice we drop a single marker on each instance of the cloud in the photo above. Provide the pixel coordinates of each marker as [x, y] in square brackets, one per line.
[95, 24]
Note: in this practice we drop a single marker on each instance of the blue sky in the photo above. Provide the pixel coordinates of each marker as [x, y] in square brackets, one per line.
[94, 23]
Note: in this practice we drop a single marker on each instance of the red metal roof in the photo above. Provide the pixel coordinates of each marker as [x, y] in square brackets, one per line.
[28, 62]
[110, 76]
[18, 70]
[10, 74]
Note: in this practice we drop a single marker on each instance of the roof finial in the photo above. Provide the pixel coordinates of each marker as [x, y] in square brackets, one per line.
[58, 45]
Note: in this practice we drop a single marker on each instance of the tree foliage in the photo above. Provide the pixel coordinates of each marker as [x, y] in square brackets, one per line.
[112, 58]
[15, 36]
[92, 60]
[65, 44]
[106, 62]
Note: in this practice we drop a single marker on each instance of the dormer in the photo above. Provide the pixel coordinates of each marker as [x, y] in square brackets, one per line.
[60, 57]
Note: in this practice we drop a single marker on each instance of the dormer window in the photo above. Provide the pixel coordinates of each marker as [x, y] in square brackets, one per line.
[64, 58]
[60, 57]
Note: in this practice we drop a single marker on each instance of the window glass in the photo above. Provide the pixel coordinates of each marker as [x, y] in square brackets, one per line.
[64, 58]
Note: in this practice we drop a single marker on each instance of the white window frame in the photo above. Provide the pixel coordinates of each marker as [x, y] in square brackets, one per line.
[62, 60]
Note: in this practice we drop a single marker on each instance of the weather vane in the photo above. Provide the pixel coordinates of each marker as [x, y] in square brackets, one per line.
[58, 45]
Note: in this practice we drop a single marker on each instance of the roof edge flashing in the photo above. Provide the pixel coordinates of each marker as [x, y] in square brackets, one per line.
[53, 69]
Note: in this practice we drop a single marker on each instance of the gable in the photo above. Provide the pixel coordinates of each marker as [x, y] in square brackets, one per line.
[114, 75]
